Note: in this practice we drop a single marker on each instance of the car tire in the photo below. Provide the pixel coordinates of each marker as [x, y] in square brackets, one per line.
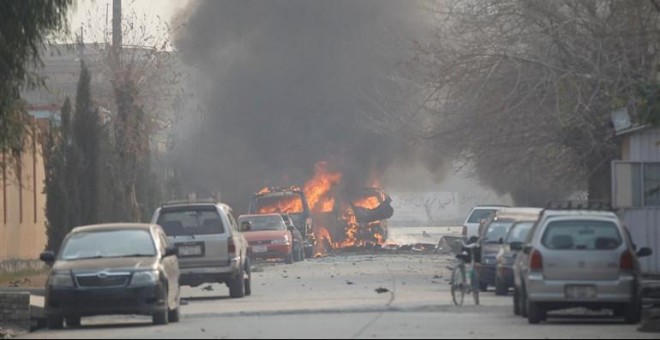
[72, 321]
[309, 252]
[500, 287]
[296, 253]
[301, 253]
[248, 280]
[632, 313]
[516, 301]
[535, 312]
[483, 286]
[237, 285]
[174, 315]
[523, 303]
[55, 322]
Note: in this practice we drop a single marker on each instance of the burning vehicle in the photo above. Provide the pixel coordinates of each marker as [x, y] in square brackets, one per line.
[328, 215]
[290, 201]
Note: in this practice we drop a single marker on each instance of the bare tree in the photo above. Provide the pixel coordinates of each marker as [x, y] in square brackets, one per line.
[524, 89]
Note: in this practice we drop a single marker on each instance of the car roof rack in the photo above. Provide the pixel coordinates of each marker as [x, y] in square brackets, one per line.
[189, 201]
[598, 205]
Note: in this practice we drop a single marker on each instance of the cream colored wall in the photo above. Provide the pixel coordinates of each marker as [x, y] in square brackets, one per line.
[22, 236]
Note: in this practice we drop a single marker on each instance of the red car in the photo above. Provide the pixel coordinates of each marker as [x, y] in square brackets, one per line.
[269, 237]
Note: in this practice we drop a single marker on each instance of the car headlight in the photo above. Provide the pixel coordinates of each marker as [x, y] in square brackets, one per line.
[280, 241]
[144, 278]
[60, 280]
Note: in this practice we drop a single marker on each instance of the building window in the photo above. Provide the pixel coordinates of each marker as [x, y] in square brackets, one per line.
[636, 184]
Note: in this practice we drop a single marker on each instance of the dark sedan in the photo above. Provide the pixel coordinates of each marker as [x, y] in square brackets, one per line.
[112, 269]
[506, 256]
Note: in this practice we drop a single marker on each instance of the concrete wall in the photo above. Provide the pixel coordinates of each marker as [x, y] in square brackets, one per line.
[23, 202]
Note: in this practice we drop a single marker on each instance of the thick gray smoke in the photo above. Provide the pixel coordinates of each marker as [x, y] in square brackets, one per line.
[289, 83]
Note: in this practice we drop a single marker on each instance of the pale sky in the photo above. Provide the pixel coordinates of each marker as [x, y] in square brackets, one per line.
[91, 15]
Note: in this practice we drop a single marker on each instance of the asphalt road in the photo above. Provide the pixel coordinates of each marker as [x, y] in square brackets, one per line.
[336, 297]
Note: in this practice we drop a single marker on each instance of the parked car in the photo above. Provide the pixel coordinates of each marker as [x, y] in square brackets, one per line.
[578, 258]
[208, 243]
[298, 240]
[269, 237]
[491, 235]
[112, 269]
[506, 256]
[291, 201]
[478, 214]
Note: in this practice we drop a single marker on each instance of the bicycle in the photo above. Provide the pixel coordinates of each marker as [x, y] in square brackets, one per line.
[459, 280]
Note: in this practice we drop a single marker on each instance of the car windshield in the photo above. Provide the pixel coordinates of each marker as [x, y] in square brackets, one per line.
[258, 223]
[112, 243]
[518, 232]
[199, 221]
[497, 230]
[582, 235]
[479, 214]
[292, 204]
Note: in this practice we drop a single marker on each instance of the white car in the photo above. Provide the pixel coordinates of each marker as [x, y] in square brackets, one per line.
[578, 258]
[478, 214]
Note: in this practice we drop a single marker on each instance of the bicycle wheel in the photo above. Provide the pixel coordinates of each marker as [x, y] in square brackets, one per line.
[474, 280]
[458, 285]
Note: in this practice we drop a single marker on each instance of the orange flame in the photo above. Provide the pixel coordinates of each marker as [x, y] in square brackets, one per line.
[322, 237]
[317, 190]
[286, 204]
[370, 202]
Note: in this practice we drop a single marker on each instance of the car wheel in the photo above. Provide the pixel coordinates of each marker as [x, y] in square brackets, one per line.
[535, 312]
[483, 286]
[500, 287]
[309, 252]
[523, 303]
[296, 253]
[237, 285]
[516, 302]
[161, 318]
[55, 322]
[632, 313]
[174, 315]
[248, 280]
[72, 321]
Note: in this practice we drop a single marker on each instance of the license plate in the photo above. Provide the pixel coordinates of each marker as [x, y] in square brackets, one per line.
[259, 249]
[190, 250]
[580, 292]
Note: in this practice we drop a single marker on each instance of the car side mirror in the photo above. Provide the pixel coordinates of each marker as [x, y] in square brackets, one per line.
[291, 228]
[171, 251]
[644, 252]
[516, 246]
[527, 249]
[48, 257]
[246, 226]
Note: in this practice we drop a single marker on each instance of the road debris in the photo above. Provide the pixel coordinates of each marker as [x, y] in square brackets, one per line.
[381, 290]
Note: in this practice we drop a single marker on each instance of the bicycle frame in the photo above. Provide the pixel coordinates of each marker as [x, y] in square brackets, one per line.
[464, 277]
